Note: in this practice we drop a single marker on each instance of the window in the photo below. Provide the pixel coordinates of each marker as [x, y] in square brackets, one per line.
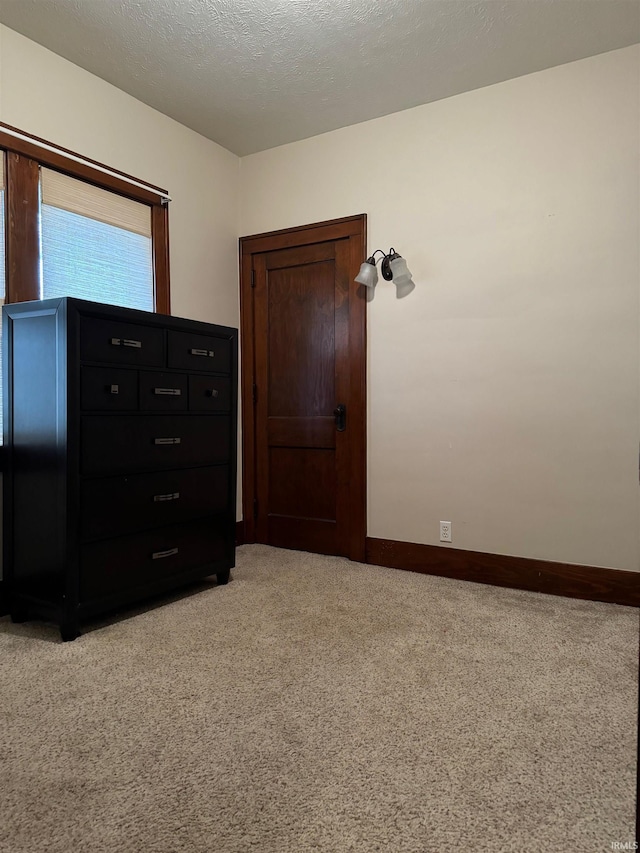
[73, 227]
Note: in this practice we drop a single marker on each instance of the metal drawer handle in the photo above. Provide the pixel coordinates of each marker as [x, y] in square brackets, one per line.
[172, 496]
[168, 392]
[166, 441]
[207, 353]
[120, 342]
[159, 555]
[212, 392]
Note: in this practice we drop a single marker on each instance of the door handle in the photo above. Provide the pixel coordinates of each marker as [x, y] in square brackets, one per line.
[119, 342]
[340, 414]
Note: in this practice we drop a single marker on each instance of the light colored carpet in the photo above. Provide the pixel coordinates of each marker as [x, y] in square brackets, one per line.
[315, 704]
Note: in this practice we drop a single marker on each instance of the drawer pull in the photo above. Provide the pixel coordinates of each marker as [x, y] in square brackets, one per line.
[160, 555]
[123, 342]
[172, 496]
[114, 389]
[166, 441]
[207, 353]
[212, 392]
[168, 392]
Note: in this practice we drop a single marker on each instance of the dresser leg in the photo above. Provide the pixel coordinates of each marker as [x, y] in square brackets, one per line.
[19, 613]
[223, 576]
[69, 630]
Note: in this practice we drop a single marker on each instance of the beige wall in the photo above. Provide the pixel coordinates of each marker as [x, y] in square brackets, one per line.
[503, 392]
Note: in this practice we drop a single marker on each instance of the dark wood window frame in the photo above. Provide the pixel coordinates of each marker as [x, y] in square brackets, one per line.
[24, 157]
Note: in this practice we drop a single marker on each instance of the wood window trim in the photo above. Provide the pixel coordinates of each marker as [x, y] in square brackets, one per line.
[88, 170]
[21, 229]
[23, 160]
[160, 248]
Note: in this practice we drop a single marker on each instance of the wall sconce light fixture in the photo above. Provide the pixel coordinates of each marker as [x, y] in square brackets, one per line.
[393, 267]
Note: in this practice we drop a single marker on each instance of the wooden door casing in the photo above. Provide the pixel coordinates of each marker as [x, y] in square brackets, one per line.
[306, 479]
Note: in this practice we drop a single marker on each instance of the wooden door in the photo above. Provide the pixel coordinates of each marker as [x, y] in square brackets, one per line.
[303, 322]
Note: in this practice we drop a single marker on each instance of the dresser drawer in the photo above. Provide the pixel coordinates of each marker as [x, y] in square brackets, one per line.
[115, 565]
[114, 506]
[199, 352]
[132, 443]
[163, 391]
[108, 389]
[209, 393]
[120, 343]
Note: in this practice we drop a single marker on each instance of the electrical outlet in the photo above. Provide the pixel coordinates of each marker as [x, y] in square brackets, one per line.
[445, 531]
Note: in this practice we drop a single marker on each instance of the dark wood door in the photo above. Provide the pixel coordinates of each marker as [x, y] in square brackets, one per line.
[306, 488]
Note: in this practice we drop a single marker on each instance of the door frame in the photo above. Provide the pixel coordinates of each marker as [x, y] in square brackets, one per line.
[353, 229]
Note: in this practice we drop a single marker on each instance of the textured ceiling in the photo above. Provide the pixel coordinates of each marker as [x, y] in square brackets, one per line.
[253, 74]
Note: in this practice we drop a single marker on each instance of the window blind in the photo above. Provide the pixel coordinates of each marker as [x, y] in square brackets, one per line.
[76, 196]
[96, 245]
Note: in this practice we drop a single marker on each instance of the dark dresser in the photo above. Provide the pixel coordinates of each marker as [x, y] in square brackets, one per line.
[120, 456]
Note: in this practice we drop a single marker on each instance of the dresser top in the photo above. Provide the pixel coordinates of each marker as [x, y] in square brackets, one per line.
[69, 306]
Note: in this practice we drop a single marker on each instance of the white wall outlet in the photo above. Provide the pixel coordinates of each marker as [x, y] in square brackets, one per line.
[445, 531]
